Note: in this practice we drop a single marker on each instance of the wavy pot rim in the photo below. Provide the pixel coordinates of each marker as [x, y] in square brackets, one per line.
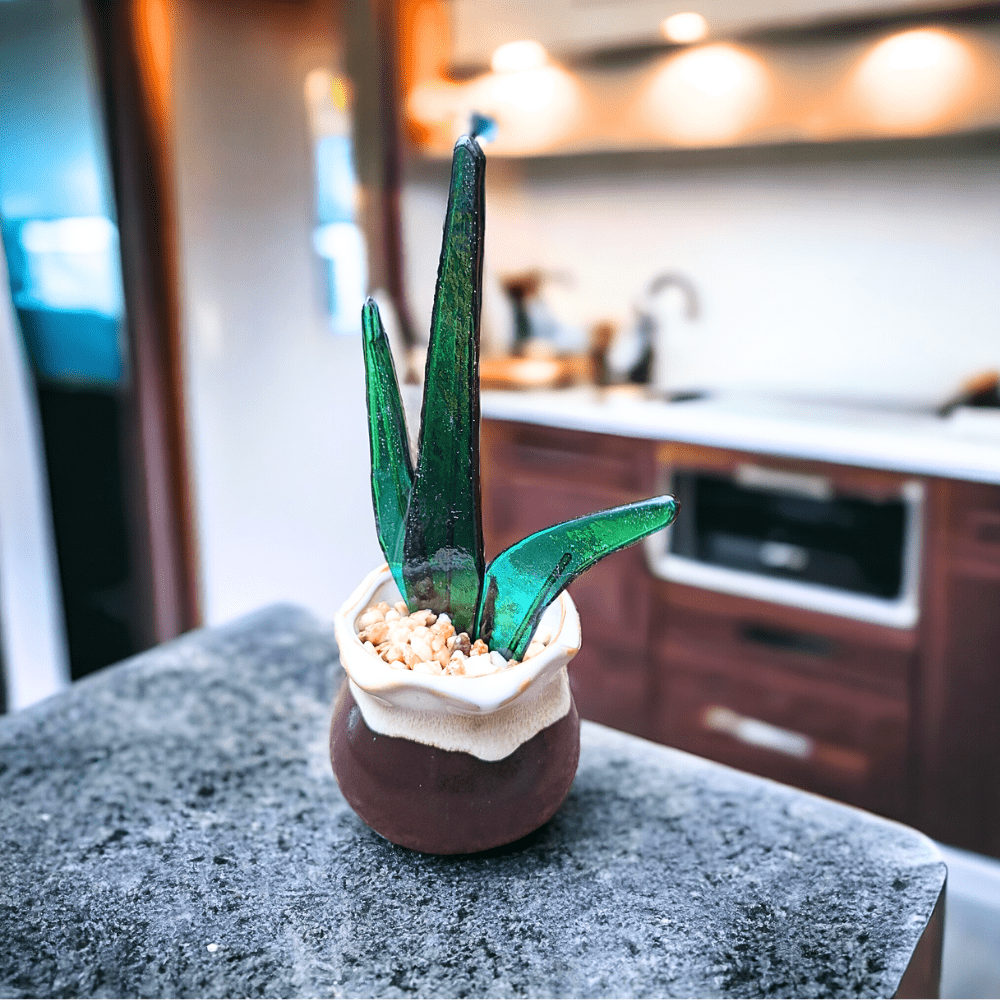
[455, 694]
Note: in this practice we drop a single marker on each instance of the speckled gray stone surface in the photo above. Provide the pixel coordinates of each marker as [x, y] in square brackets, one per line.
[170, 827]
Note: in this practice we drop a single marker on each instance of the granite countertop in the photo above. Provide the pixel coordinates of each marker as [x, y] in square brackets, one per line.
[880, 438]
[171, 827]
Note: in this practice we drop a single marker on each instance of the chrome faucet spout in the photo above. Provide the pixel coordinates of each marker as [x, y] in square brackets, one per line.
[675, 279]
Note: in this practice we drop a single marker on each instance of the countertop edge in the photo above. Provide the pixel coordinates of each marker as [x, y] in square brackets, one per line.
[924, 448]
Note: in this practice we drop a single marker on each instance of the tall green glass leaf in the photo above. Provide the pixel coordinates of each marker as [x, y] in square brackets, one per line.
[443, 550]
[526, 578]
[392, 470]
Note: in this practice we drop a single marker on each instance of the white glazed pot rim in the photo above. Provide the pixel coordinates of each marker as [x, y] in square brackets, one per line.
[456, 695]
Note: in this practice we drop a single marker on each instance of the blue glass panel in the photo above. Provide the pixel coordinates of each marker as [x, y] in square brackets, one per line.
[336, 183]
[55, 197]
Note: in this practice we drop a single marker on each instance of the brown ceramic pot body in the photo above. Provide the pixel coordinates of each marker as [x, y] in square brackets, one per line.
[445, 801]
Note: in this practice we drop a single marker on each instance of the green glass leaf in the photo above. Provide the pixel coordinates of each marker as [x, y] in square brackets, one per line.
[443, 549]
[392, 470]
[526, 578]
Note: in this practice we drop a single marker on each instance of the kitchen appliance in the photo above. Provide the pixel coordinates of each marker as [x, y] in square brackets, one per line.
[632, 355]
[795, 538]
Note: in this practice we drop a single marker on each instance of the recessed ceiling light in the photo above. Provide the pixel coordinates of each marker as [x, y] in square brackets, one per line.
[707, 95]
[511, 56]
[684, 28]
[914, 80]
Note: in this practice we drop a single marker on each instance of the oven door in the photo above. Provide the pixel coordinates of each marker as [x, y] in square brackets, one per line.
[795, 538]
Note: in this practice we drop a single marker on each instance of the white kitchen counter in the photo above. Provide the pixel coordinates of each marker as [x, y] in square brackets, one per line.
[964, 446]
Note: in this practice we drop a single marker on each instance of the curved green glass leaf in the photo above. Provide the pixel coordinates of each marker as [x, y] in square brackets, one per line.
[526, 578]
[443, 549]
[392, 470]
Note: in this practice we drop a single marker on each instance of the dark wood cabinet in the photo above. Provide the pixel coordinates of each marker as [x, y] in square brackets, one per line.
[534, 477]
[789, 694]
[957, 739]
[901, 720]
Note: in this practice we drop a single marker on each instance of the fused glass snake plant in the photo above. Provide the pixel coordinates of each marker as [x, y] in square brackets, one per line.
[428, 519]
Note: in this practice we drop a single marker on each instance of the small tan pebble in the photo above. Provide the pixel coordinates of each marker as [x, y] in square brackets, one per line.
[478, 664]
[427, 667]
[426, 642]
[421, 647]
[369, 646]
[534, 648]
[369, 617]
[393, 654]
[376, 633]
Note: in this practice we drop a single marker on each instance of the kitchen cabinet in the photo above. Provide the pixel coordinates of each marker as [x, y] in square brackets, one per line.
[532, 479]
[794, 695]
[771, 73]
[479, 26]
[958, 690]
[903, 720]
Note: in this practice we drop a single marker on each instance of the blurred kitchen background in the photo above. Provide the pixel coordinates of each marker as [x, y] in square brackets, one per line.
[747, 253]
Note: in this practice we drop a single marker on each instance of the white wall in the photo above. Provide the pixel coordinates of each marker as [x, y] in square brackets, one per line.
[835, 273]
[854, 272]
[34, 660]
[275, 400]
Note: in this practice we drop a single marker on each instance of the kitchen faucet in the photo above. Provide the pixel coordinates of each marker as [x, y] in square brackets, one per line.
[647, 326]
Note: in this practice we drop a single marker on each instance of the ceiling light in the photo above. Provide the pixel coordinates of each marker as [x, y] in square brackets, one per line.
[708, 95]
[916, 79]
[513, 56]
[534, 109]
[684, 28]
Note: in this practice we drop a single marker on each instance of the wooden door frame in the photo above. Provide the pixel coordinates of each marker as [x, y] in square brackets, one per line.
[131, 41]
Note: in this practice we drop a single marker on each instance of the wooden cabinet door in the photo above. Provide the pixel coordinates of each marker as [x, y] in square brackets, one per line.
[535, 477]
[824, 737]
[957, 726]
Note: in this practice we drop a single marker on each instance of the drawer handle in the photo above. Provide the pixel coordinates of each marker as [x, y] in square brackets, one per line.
[758, 477]
[796, 642]
[985, 527]
[757, 733]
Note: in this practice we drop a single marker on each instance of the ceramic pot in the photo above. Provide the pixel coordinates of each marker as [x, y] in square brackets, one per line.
[454, 765]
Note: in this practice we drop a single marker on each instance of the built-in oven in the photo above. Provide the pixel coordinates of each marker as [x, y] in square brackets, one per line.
[802, 538]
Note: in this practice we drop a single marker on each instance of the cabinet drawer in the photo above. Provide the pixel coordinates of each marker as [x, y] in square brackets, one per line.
[613, 596]
[750, 641]
[521, 503]
[574, 456]
[975, 522]
[695, 625]
[826, 738]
